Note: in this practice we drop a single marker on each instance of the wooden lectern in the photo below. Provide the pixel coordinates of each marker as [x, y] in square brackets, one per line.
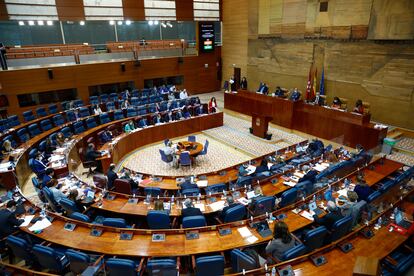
[260, 124]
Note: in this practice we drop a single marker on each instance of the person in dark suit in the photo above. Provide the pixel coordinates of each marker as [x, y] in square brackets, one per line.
[111, 174]
[230, 204]
[142, 123]
[243, 83]
[280, 93]
[8, 221]
[190, 210]
[105, 136]
[363, 190]
[334, 214]
[3, 60]
[295, 95]
[262, 168]
[92, 154]
[48, 176]
[319, 100]
[263, 88]
[310, 175]
[38, 165]
[168, 117]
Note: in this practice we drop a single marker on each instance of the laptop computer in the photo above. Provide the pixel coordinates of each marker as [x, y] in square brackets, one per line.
[262, 228]
[399, 219]
[314, 208]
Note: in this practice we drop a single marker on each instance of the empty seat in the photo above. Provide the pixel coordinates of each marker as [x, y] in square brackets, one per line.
[340, 228]
[110, 106]
[23, 135]
[67, 132]
[118, 115]
[164, 267]
[241, 260]
[21, 249]
[78, 103]
[262, 205]
[158, 220]
[50, 258]
[41, 112]
[14, 121]
[104, 118]
[53, 108]
[123, 186]
[93, 100]
[113, 97]
[34, 130]
[194, 221]
[28, 116]
[91, 123]
[79, 216]
[288, 197]
[152, 191]
[68, 205]
[78, 261]
[134, 101]
[235, 213]
[210, 266]
[104, 98]
[124, 267]
[46, 125]
[115, 222]
[71, 116]
[315, 238]
[78, 127]
[294, 252]
[58, 120]
[51, 199]
[131, 112]
[84, 112]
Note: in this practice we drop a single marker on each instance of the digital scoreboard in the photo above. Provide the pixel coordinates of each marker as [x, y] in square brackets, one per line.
[206, 36]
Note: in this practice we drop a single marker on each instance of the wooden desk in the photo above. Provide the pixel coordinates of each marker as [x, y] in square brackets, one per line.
[194, 149]
[342, 127]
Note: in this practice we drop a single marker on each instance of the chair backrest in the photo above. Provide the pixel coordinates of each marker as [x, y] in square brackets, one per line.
[104, 98]
[78, 103]
[122, 186]
[23, 135]
[53, 108]
[131, 112]
[78, 127]
[185, 159]
[91, 123]
[123, 267]
[206, 147]
[288, 197]
[373, 196]
[46, 125]
[194, 221]
[216, 188]
[210, 265]
[78, 261]
[34, 130]
[20, 248]
[164, 157]
[28, 116]
[315, 238]
[341, 228]
[357, 211]
[93, 100]
[48, 258]
[294, 252]
[306, 187]
[71, 116]
[33, 152]
[190, 192]
[263, 205]
[104, 118]
[191, 138]
[153, 191]
[158, 220]
[58, 120]
[66, 132]
[51, 199]
[241, 260]
[100, 181]
[80, 217]
[41, 112]
[118, 115]
[42, 146]
[162, 267]
[235, 213]
[68, 205]
[115, 222]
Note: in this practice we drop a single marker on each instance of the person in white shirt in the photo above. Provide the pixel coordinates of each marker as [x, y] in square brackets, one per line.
[183, 94]
[97, 110]
[172, 88]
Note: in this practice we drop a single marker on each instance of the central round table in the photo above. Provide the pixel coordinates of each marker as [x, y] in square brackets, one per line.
[194, 148]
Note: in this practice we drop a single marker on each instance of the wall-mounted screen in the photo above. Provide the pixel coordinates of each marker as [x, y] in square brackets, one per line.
[206, 36]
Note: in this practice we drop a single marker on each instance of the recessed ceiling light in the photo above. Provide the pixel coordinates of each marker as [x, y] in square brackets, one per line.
[111, 22]
[156, 22]
[49, 22]
[128, 22]
[21, 23]
[82, 23]
[150, 22]
[120, 23]
[31, 22]
[40, 23]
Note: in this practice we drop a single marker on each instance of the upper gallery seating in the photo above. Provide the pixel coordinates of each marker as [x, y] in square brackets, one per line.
[48, 51]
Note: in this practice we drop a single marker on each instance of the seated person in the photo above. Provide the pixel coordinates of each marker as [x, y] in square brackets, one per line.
[125, 104]
[263, 88]
[282, 241]
[319, 100]
[183, 94]
[97, 109]
[170, 96]
[156, 119]
[142, 122]
[6, 148]
[158, 205]
[347, 208]
[336, 103]
[127, 176]
[263, 167]
[48, 176]
[130, 126]
[359, 107]
[60, 139]
[186, 112]
[334, 214]
[74, 196]
[362, 190]
[242, 170]
[92, 154]
[295, 95]
[38, 164]
[57, 194]
[49, 148]
[8, 221]
[309, 175]
[179, 115]
[190, 210]
[229, 204]
[168, 117]
[280, 93]
[105, 136]
[111, 175]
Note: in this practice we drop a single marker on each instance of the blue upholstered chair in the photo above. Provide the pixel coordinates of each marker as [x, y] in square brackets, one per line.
[205, 149]
[216, 188]
[131, 112]
[241, 260]
[91, 123]
[46, 125]
[80, 217]
[21, 249]
[79, 261]
[210, 265]
[315, 238]
[288, 197]
[191, 138]
[34, 130]
[373, 196]
[115, 222]
[294, 252]
[104, 118]
[118, 115]
[165, 158]
[340, 229]
[153, 191]
[262, 205]
[235, 213]
[50, 258]
[84, 112]
[93, 100]
[28, 116]
[104, 98]
[53, 108]
[68, 205]
[162, 267]
[305, 187]
[134, 101]
[158, 220]
[14, 121]
[122, 267]
[71, 116]
[194, 221]
[67, 132]
[23, 135]
[51, 200]
[41, 112]
[185, 159]
[58, 120]
[113, 97]
[78, 127]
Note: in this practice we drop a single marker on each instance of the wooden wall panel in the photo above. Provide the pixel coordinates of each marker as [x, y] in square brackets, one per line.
[133, 9]
[294, 18]
[184, 10]
[197, 78]
[3, 11]
[70, 9]
[235, 36]
[392, 19]
[264, 19]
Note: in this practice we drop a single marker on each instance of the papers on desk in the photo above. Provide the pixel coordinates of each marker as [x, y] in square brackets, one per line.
[251, 194]
[202, 183]
[250, 169]
[306, 215]
[289, 183]
[4, 167]
[27, 220]
[217, 206]
[57, 164]
[269, 165]
[55, 158]
[40, 225]
[321, 167]
[243, 201]
[380, 126]
[247, 234]
[343, 192]
[104, 152]
[200, 206]
[299, 174]
[17, 151]
[60, 150]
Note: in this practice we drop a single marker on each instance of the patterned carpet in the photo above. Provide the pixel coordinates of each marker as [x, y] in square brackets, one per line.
[402, 157]
[406, 143]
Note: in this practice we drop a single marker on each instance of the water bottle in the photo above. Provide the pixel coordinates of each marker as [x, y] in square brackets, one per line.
[273, 271]
[198, 197]
[43, 212]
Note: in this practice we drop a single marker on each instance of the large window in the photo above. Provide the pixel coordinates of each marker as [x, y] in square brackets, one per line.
[206, 10]
[160, 9]
[46, 97]
[31, 9]
[103, 9]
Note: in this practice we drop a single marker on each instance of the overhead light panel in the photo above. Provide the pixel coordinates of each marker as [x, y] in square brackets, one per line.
[111, 22]
[40, 23]
[120, 23]
[82, 23]
[49, 23]
[169, 24]
[31, 23]
[163, 25]
[128, 22]
[156, 22]
[21, 23]
[150, 22]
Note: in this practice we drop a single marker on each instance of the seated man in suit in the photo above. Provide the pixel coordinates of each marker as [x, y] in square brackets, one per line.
[111, 174]
[48, 176]
[334, 214]
[105, 136]
[362, 189]
[92, 154]
[295, 95]
[263, 88]
[8, 221]
[262, 168]
[280, 93]
[38, 165]
[168, 117]
[156, 119]
[319, 100]
[54, 187]
[229, 204]
[190, 210]
[142, 123]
